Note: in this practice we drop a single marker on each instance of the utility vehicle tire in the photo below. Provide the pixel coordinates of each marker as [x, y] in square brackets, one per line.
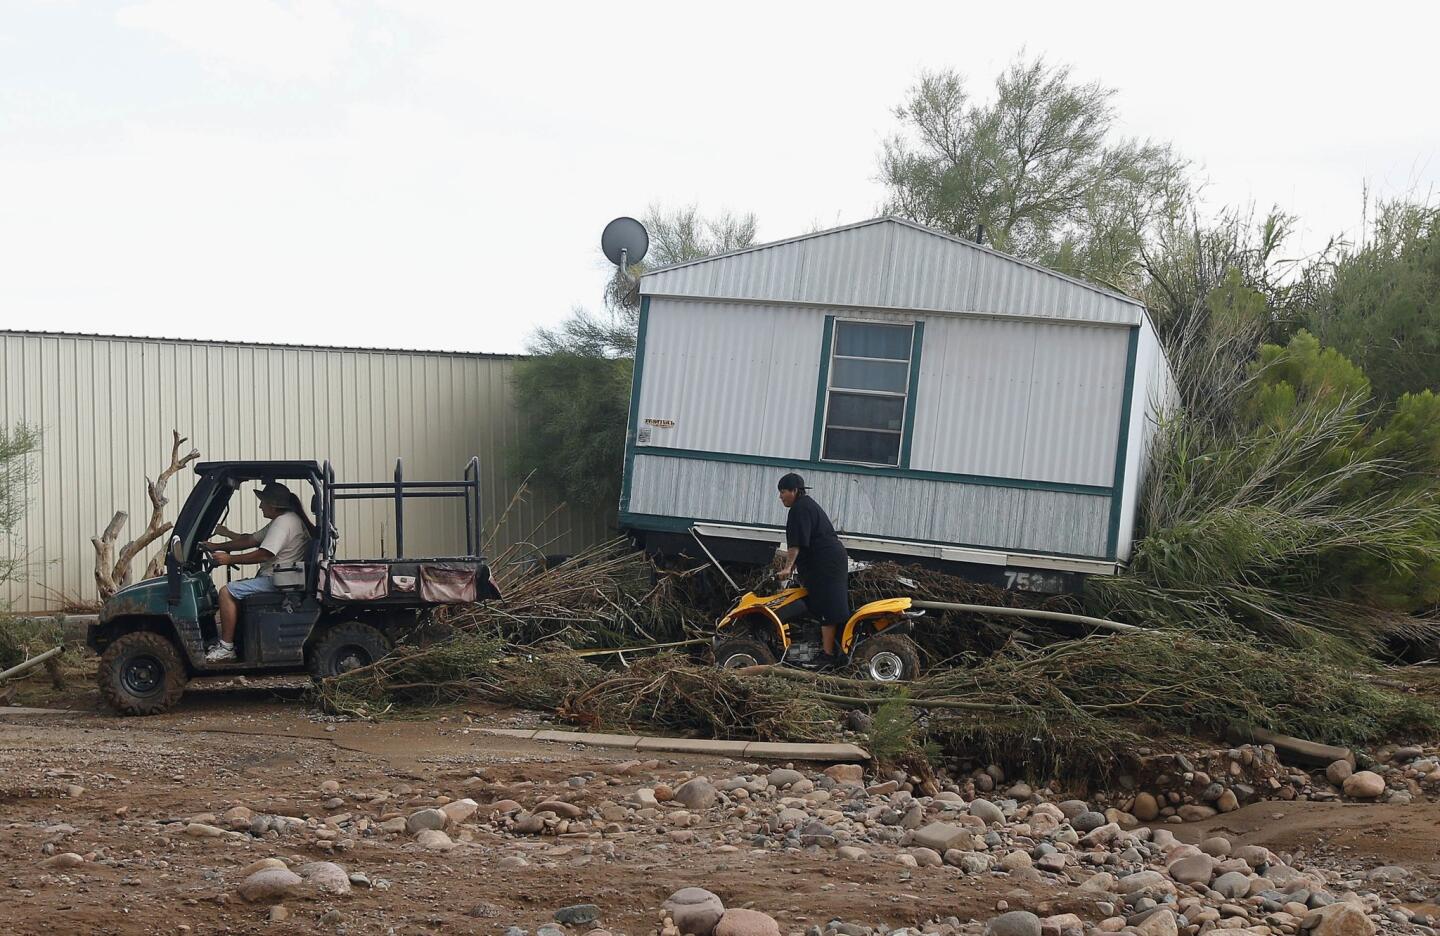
[737, 652]
[345, 647]
[887, 658]
[141, 673]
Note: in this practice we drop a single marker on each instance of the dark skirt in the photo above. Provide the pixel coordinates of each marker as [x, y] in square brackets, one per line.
[828, 586]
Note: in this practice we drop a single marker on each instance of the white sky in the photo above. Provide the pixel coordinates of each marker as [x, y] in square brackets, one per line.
[396, 173]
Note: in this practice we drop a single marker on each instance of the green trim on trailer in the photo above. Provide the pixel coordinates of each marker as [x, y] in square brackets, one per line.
[656, 523]
[912, 395]
[822, 390]
[1122, 445]
[844, 468]
[634, 422]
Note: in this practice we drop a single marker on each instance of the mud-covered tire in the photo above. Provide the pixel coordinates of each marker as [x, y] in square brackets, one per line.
[887, 658]
[737, 652]
[345, 647]
[141, 673]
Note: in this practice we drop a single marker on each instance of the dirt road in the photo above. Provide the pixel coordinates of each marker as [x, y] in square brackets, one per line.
[121, 793]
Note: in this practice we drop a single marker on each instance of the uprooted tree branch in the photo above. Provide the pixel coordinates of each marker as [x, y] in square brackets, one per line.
[113, 571]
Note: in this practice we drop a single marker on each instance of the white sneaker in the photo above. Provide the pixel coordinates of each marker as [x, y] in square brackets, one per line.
[220, 653]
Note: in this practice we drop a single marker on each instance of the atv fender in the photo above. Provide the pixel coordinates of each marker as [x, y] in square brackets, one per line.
[885, 614]
[759, 617]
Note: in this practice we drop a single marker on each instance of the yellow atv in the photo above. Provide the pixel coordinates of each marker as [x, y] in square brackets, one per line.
[764, 629]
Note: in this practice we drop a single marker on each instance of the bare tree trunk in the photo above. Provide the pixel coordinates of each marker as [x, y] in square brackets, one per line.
[113, 571]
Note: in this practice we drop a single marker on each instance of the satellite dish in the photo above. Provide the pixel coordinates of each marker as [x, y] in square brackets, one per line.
[624, 242]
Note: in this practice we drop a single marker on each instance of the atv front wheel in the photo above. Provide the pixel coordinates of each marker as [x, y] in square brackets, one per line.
[346, 647]
[888, 658]
[141, 673]
[738, 652]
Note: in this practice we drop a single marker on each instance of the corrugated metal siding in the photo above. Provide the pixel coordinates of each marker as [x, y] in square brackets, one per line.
[1009, 399]
[887, 263]
[892, 507]
[1154, 395]
[107, 405]
[734, 377]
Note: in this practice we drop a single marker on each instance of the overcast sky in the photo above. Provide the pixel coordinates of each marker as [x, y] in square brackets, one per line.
[397, 173]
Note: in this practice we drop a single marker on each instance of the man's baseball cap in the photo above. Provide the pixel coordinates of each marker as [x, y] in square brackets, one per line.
[792, 482]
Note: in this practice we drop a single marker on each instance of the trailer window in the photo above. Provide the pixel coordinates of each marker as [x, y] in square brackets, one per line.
[867, 392]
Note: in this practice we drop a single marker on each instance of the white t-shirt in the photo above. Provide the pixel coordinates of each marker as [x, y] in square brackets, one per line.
[286, 539]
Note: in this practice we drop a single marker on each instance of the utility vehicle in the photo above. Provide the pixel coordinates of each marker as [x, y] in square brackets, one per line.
[328, 616]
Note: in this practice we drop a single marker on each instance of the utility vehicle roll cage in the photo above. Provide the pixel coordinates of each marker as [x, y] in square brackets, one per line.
[398, 490]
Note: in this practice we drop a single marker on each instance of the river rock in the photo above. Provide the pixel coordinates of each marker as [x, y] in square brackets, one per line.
[843, 774]
[1339, 919]
[63, 860]
[1145, 808]
[927, 857]
[425, 819]
[941, 836]
[460, 810]
[1087, 822]
[1364, 784]
[269, 885]
[1160, 923]
[746, 923]
[560, 808]
[783, 777]
[326, 877]
[1227, 802]
[694, 910]
[1014, 923]
[1193, 869]
[1216, 846]
[1232, 884]
[577, 915]
[988, 813]
[697, 794]
[1194, 812]
[434, 840]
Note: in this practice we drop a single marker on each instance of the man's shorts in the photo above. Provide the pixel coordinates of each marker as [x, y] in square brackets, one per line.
[249, 588]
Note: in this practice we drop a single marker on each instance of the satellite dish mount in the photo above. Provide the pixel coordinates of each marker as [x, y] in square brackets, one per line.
[625, 242]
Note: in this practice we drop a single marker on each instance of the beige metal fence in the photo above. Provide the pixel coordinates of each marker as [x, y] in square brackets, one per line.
[106, 406]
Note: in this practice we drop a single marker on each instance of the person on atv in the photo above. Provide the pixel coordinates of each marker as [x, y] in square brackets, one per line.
[824, 567]
[284, 541]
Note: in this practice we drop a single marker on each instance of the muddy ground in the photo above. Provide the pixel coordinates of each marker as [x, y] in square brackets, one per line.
[270, 751]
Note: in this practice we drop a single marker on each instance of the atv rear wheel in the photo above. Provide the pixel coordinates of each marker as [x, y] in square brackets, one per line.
[141, 673]
[888, 658]
[346, 647]
[738, 652]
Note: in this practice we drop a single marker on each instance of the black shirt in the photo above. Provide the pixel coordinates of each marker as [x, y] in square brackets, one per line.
[809, 529]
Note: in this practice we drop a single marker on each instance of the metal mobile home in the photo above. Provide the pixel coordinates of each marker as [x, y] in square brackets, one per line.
[944, 401]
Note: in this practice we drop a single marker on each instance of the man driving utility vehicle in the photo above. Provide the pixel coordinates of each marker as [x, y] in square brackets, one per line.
[284, 541]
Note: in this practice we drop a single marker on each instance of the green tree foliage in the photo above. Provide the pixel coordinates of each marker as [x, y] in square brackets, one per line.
[1295, 509]
[1382, 304]
[573, 408]
[1037, 166]
[573, 393]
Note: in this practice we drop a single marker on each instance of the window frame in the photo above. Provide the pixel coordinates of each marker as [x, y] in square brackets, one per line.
[906, 396]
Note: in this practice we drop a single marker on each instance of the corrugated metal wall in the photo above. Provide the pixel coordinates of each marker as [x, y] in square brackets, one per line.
[1027, 400]
[1034, 401]
[1152, 398]
[869, 505]
[733, 377]
[106, 407]
[894, 264]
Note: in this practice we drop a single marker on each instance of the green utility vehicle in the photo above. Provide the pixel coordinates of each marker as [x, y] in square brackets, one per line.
[329, 615]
